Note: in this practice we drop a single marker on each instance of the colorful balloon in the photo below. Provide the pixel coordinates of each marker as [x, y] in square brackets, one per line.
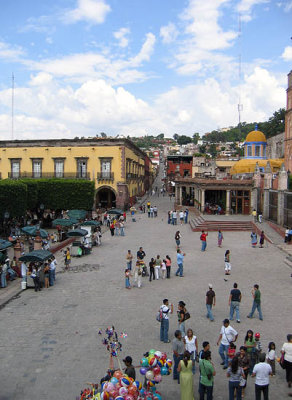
[105, 396]
[114, 380]
[158, 354]
[143, 370]
[153, 362]
[118, 374]
[156, 370]
[125, 381]
[123, 391]
[168, 363]
[144, 362]
[152, 351]
[129, 397]
[160, 363]
[138, 385]
[158, 378]
[149, 375]
[164, 371]
[163, 356]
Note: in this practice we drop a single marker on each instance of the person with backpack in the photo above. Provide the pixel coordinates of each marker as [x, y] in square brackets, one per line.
[164, 312]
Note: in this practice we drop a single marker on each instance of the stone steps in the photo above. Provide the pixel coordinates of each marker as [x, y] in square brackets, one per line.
[199, 224]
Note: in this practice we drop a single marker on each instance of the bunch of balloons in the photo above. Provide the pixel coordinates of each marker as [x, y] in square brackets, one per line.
[120, 387]
[154, 365]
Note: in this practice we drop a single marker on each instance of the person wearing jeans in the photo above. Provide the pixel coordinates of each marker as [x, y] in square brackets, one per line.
[227, 335]
[256, 302]
[207, 373]
[180, 258]
[262, 372]
[178, 348]
[234, 302]
[164, 324]
[210, 301]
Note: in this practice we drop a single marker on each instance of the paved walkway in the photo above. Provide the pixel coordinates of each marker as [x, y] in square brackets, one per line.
[50, 345]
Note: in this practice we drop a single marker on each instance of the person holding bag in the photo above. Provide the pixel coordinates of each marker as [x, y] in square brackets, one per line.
[227, 335]
[207, 373]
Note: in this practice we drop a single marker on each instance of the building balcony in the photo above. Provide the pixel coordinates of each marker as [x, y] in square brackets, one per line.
[49, 175]
[105, 176]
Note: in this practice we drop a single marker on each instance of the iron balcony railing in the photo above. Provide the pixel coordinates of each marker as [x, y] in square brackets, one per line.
[48, 175]
[105, 176]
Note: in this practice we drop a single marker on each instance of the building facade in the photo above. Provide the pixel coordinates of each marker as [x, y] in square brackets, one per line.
[120, 170]
[288, 126]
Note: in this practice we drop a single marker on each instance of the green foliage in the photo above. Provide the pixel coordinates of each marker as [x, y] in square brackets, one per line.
[183, 139]
[32, 192]
[198, 155]
[196, 137]
[212, 150]
[66, 193]
[272, 127]
[202, 149]
[13, 198]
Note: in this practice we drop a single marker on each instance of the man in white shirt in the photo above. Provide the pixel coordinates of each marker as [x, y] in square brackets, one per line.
[227, 335]
[164, 325]
[262, 372]
[174, 217]
[181, 216]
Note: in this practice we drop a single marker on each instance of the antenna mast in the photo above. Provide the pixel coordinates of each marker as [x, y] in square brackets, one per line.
[12, 106]
[239, 106]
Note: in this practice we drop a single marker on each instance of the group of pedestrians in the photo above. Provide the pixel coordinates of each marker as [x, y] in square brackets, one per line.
[117, 226]
[234, 301]
[173, 216]
[152, 210]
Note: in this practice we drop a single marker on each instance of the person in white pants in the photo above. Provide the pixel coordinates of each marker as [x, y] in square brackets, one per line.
[157, 266]
[138, 274]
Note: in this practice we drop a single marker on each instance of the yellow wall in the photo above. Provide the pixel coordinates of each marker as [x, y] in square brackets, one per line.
[48, 153]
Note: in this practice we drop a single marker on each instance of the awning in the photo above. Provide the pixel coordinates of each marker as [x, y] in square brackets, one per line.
[36, 256]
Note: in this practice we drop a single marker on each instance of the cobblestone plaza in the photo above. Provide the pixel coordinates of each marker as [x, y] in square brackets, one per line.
[50, 345]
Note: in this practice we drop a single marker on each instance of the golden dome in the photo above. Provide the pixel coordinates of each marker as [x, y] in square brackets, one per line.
[248, 165]
[255, 136]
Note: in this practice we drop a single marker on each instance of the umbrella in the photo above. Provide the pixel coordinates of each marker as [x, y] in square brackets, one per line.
[4, 244]
[77, 214]
[91, 223]
[77, 232]
[34, 231]
[64, 222]
[115, 211]
[36, 256]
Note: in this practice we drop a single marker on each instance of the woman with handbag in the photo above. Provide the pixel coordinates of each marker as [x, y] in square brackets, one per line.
[236, 376]
[243, 362]
[287, 353]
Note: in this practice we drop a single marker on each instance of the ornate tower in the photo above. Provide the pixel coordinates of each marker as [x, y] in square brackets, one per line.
[288, 126]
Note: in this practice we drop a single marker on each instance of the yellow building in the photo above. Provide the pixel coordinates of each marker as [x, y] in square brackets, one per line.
[255, 154]
[120, 170]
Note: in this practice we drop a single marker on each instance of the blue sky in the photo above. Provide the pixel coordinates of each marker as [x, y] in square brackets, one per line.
[135, 67]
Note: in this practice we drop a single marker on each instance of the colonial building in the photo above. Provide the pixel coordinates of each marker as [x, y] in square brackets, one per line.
[120, 170]
[288, 126]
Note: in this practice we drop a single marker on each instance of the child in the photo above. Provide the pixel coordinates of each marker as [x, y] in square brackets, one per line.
[163, 269]
[271, 356]
[231, 352]
[130, 369]
[258, 346]
[227, 262]
[127, 279]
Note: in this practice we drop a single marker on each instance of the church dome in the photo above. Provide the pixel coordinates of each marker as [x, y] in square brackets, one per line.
[255, 136]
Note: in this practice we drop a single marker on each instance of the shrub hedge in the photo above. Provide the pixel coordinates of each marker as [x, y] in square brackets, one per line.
[18, 196]
[13, 198]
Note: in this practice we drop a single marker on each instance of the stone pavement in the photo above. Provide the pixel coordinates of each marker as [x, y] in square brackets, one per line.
[50, 345]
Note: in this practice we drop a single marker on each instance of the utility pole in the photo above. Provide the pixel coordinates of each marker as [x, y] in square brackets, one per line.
[12, 106]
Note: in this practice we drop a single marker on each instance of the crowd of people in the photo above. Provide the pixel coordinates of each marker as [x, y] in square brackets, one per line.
[249, 360]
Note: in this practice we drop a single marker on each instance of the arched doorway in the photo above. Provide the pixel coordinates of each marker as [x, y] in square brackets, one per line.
[105, 197]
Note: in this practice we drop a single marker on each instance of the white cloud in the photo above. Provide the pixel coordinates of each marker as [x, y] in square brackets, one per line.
[168, 33]
[287, 54]
[121, 36]
[49, 109]
[93, 11]
[10, 53]
[146, 50]
[286, 5]
[245, 8]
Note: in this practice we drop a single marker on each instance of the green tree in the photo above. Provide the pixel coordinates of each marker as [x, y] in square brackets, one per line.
[160, 136]
[196, 137]
[175, 136]
[183, 139]
[203, 149]
[212, 150]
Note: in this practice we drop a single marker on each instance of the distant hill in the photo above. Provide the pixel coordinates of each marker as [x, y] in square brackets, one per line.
[272, 127]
